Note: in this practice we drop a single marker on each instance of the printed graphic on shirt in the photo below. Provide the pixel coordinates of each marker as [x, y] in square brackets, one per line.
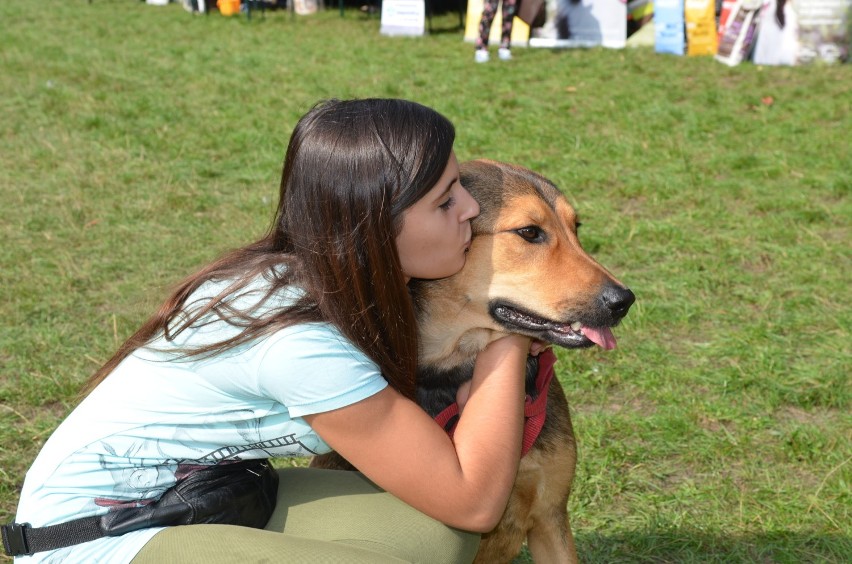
[142, 469]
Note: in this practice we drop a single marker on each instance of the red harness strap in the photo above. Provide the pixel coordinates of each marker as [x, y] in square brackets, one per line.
[535, 410]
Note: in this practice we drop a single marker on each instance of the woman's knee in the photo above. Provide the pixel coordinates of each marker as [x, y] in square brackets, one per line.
[226, 544]
[345, 507]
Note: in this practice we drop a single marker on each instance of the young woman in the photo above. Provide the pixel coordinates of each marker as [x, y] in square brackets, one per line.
[302, 342]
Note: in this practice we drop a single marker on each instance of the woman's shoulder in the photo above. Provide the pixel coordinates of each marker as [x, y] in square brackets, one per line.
[258, 292]
[312, 367]
[313, 340]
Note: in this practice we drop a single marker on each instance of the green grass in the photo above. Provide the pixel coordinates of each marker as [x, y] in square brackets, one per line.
[138, 142]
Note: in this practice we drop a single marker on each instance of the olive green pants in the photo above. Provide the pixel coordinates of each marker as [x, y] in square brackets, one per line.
[322, 516]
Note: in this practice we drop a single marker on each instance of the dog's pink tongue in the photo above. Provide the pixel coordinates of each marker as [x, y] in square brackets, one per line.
[601, 336]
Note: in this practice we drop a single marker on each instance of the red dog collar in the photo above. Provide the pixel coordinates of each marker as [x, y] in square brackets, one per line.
[535, 410]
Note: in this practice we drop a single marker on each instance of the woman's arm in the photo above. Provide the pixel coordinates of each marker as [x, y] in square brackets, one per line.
[465, 483]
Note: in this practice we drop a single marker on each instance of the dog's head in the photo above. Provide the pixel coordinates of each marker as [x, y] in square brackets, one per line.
[526, 271]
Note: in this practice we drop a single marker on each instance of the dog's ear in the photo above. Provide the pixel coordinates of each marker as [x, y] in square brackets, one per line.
[477, 176]
[484, 180]
[494, 184]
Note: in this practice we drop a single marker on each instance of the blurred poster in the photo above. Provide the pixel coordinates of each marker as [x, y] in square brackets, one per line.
[739, 31]
[639, 13]
[823, 30]
[305, 7]
[581, 23]
[777, 34]
[803, 31]
[724, 12]
[520, 30]
[403, 17]
[700, 18]
[668, 26]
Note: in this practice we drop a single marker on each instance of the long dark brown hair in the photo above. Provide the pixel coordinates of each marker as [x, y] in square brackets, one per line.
[351, 169]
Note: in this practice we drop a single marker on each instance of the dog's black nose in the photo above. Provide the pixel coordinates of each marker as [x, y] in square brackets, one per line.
[617, 299]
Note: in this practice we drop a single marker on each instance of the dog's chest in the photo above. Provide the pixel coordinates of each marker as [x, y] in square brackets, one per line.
[437, 387]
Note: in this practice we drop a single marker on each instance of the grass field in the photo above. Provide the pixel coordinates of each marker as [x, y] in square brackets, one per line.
[138, 142]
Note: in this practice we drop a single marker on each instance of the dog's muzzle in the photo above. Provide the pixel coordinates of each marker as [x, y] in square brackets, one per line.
[584, 327]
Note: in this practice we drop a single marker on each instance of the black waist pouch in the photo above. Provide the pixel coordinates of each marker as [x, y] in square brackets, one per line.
[230, 493]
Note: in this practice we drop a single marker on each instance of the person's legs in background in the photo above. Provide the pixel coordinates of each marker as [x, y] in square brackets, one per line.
[489, 10]
[508, 16]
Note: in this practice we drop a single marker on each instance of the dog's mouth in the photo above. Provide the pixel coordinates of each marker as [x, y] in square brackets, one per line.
[571, 335]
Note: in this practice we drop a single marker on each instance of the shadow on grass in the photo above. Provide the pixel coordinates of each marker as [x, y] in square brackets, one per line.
[686, 546]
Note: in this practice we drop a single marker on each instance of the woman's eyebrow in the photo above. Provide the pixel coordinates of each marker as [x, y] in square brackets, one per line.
[446, 191]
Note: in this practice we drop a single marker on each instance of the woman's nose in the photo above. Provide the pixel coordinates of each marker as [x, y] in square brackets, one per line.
[471, 208]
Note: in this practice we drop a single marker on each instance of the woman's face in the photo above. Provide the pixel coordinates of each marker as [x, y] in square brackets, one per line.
[435, 235]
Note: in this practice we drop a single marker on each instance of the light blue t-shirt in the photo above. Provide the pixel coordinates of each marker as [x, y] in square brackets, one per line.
[156, 416]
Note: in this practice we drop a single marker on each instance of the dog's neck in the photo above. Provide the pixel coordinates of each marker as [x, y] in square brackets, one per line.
[453, 329]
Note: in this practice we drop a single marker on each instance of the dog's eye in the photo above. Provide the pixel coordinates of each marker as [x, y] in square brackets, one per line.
[531, 233]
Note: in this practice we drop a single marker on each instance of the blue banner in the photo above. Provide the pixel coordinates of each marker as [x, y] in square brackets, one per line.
[668, 26]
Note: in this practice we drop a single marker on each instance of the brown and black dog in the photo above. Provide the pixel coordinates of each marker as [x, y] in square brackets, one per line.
[525, 273]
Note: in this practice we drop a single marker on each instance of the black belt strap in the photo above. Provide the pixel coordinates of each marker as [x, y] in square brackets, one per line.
[234, 493]
[21, 539]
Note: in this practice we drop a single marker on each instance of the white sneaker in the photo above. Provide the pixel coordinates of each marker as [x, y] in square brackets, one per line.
[481, 56]
[504, 54]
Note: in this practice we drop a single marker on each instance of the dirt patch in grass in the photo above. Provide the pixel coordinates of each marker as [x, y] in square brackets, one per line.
[717, 425]
[820, 417]
[618, 402]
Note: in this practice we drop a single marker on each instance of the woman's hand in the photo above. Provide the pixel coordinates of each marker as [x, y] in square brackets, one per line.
[537, 347]
[463, 393]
